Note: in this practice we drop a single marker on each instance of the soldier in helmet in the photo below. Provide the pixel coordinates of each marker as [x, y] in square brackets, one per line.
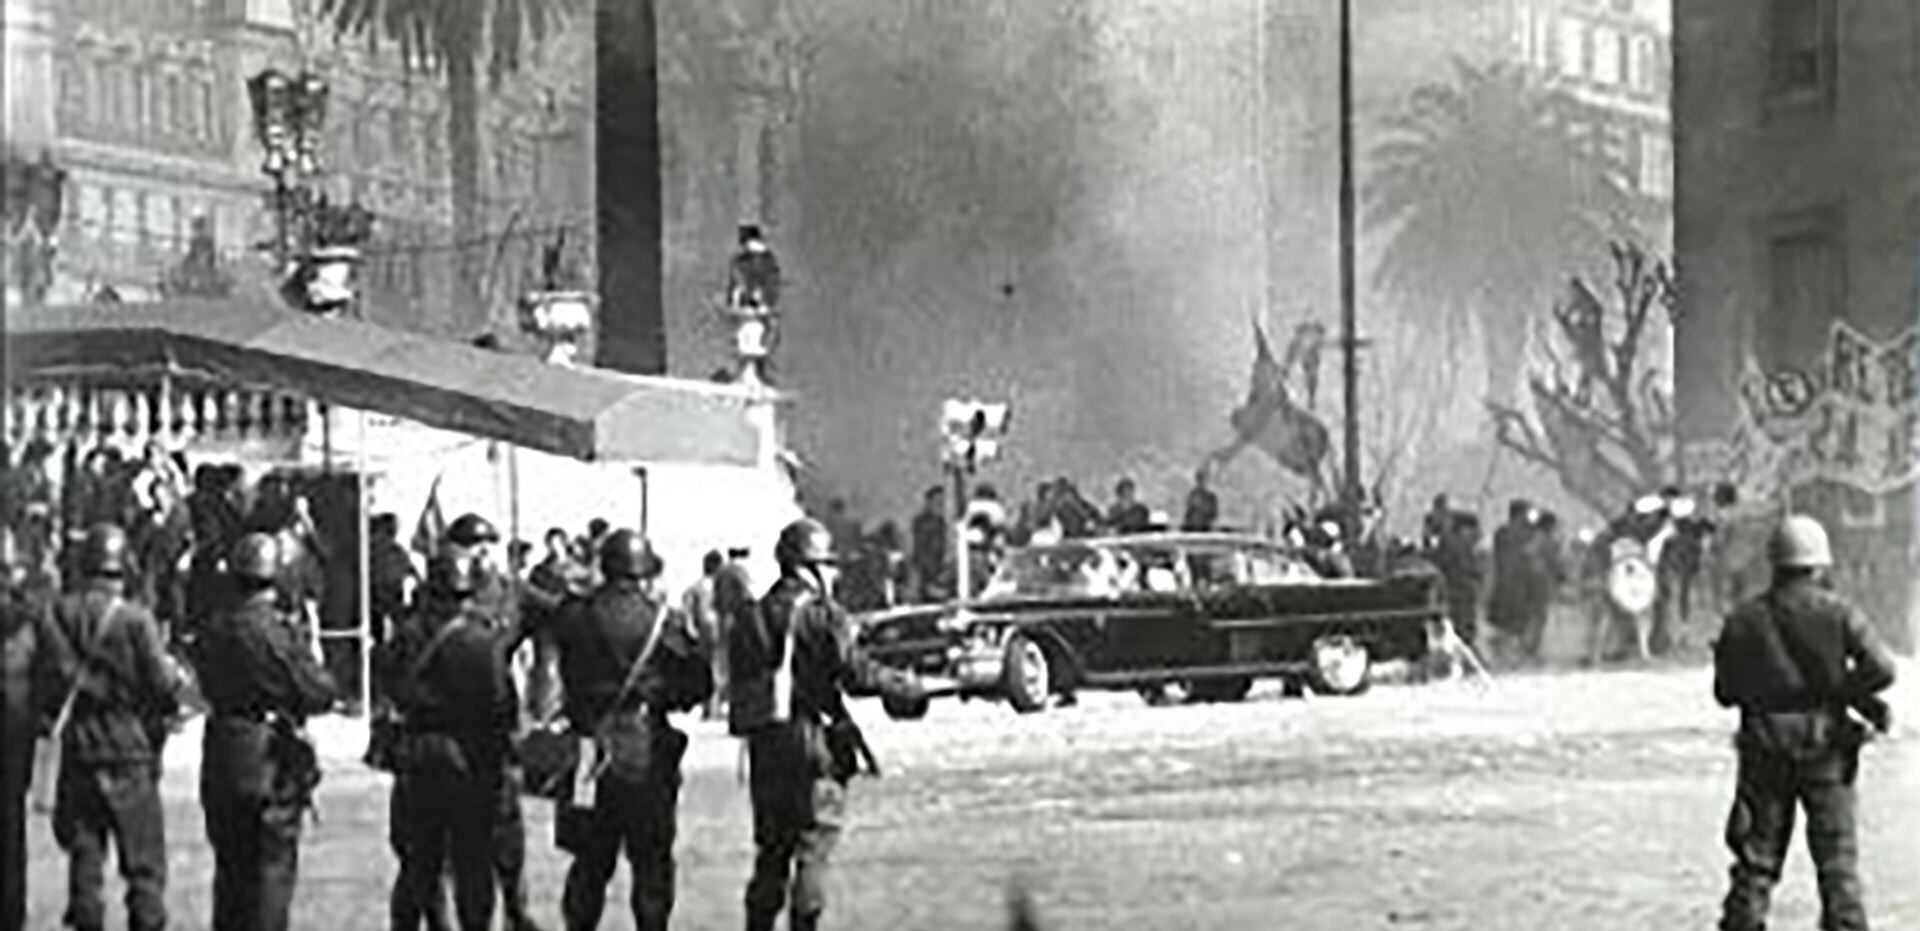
[261, 682]
[118, 693]
[626, 660]
[791, 664]
[496, 599]
[1798, 661]
[29, 698]
[452, 688]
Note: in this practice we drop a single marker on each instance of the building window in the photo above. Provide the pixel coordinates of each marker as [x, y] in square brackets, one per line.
[1801, 53]
[1607, 65]
[161, 108]
[1656, 165]
[1804, 290]
[397, 142]
[208, 118]
[1568, 48]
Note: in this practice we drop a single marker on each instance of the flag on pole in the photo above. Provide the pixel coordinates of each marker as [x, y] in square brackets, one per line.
[432, 527]
[1272, 423]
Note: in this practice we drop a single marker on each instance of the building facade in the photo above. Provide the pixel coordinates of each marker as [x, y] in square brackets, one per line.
[1798, 235]
[144, 103]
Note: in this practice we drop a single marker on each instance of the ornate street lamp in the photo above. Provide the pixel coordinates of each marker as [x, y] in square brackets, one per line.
[558, 314]
[314, 237]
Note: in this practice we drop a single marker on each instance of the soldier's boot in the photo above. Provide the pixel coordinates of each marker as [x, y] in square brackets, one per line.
[759, 922]
[799, 922]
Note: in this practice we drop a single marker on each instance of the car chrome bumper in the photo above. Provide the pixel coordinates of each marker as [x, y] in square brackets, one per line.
[976, 665]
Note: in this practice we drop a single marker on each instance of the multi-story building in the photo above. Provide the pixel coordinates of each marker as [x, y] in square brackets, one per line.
[144, 103]
[1613, 58]
[1798, 232]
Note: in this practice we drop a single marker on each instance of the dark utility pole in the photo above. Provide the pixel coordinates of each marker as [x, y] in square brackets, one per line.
[1350, 490]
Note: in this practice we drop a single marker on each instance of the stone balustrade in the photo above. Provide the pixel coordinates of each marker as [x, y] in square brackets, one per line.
[175, 415]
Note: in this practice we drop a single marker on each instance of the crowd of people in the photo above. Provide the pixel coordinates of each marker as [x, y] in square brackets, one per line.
[1516, 581]
[93, 673]
[1531, 568]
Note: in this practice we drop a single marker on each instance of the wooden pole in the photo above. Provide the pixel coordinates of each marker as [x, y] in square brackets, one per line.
[366, 565]
[1349, 337]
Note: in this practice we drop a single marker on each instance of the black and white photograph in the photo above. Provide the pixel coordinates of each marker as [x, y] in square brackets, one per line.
[943, 464]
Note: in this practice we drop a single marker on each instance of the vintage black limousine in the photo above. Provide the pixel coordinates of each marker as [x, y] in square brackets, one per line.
[1176, 616]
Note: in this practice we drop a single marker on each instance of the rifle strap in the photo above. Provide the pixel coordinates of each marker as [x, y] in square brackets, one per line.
[84, 660]
[661, 618]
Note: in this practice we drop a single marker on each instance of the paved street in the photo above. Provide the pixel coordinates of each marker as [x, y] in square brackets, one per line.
[1569, 801]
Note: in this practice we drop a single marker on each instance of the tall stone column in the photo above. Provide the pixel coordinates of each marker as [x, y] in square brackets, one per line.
[632, 335]
[27, 34]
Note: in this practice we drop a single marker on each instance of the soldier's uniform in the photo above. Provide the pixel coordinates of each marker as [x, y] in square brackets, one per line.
[459, 708]
[496, 598]
[261, 682]
[791, 663]
[123, 695]
[29, 681]
[600, 640]
[1794, 661]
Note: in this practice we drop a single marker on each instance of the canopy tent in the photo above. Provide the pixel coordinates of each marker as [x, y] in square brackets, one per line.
[587, 414]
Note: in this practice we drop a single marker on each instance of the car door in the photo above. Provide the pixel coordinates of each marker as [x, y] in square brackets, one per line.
[1159, 623]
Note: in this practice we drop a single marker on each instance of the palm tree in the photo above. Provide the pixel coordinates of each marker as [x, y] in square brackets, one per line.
[450, 37]
[1486, 202]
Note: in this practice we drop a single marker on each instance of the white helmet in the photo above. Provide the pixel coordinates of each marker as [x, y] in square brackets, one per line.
[1800, 543]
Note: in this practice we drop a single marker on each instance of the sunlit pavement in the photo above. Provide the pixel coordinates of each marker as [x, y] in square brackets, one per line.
[1579, 800]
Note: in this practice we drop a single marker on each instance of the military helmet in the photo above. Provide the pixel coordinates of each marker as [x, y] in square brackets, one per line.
[625, 554]
[448, 574]
[104, 552]
[804, 542]
[472, 529]
[1800, 543]
[256, 557]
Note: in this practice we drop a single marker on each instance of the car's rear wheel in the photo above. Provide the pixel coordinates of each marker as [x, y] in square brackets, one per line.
[901, 708]
[1341, 666]
[1029, 674]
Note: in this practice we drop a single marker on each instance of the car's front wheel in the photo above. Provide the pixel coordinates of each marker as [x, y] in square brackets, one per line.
[1029, 674]
[1341, 666]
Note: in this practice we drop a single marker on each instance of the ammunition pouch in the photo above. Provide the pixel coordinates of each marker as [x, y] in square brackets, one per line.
[295, 762]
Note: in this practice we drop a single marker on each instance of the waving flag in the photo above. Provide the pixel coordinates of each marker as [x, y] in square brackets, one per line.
[432, 527]
[1271, 422]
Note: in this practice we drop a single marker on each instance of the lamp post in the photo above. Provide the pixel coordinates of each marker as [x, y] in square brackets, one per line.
[317, 242]
[559, 313]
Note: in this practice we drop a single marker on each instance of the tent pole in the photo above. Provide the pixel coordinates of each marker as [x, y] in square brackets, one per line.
[366, 561]
[513, 503]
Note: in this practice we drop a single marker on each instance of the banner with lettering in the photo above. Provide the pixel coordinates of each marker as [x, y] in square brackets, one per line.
[1850, 420]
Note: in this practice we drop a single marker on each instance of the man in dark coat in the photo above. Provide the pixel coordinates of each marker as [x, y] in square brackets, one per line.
[626, 660]
[1128, 514]
[931, 544]
[261, 682]
[31, 694]
[456, 698]
[124, 693]
[791, 668]
[1203, 506]
[1507, 603]
[1799, 661]
[499, 598]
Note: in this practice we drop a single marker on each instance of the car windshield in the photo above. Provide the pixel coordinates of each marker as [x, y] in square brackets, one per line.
[1056, 570]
